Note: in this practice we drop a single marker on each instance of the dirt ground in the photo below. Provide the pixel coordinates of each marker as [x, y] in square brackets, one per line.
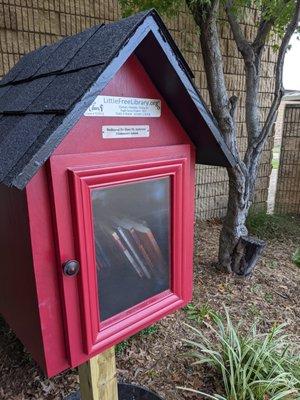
[157, 359]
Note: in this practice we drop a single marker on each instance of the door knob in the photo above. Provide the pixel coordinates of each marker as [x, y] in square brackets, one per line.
[71, 268]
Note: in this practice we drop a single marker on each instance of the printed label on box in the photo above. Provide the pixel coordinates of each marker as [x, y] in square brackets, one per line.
[113, 106]
[127, 131]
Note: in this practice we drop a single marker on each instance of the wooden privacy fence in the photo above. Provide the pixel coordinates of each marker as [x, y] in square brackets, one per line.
[28, 24]
[287, 198]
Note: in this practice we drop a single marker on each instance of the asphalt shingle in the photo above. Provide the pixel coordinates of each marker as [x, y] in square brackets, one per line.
[67, 49]
[3, 90]
[17, 140]
[7, 123]
[107, 40]
[17, 172]
[23, 63]
[44, 86]
[38, 58]
[19, 97]
[43, 95]
[64, 90]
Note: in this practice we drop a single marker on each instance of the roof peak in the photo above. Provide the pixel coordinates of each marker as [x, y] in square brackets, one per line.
[47, 92]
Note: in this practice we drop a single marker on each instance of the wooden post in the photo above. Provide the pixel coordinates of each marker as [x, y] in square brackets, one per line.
[98, 377]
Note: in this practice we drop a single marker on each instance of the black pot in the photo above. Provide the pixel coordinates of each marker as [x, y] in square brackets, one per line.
[132, 392]
[126, 392]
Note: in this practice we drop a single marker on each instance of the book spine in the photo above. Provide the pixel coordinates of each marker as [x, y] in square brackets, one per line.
[134, 252]
[127, 253]
[142, 248]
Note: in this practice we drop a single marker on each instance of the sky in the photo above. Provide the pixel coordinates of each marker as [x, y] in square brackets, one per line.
[291, 69]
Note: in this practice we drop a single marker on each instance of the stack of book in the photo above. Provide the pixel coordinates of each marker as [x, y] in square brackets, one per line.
[124, 241]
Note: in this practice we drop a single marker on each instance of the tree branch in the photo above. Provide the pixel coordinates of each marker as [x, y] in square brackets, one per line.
[263, 32]
[233, 102]
[206, 17]
[279, 89]
[252, 65]
[242, 44]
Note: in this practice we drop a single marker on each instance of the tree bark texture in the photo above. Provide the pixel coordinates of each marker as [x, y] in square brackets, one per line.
[238, 253]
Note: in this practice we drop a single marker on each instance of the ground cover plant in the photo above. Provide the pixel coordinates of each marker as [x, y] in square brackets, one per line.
[251, 365]
[274, 226]
[296, 257]
[157, 359]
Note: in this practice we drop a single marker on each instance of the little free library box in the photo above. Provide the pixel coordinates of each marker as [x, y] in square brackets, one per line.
[99, 136]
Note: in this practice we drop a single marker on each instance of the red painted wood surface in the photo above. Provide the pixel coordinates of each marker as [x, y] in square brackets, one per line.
[108, 168]
[66, 314]
[18, 297]
[130, 81]
[47, 271]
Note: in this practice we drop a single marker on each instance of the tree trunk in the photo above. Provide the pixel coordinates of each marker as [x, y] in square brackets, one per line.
[234, 223]
[239, 252]
[235, 250]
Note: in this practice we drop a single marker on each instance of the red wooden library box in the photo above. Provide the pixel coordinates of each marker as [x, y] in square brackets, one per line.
[99, 135]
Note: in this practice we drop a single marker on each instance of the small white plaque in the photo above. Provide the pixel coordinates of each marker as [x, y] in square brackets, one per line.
[113, 106]
[127, 131]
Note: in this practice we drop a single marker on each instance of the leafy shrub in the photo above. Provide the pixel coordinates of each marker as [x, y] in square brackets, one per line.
[253, 366]
[122, 346]
[151, 330]
[198, 314]
[273, 226]
[296, 257]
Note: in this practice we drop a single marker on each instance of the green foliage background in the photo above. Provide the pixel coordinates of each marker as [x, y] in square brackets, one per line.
[279, 12]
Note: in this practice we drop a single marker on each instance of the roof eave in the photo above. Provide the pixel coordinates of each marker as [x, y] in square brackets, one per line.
[175, 58]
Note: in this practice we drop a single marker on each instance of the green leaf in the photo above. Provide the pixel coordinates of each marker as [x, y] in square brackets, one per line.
[253, 366]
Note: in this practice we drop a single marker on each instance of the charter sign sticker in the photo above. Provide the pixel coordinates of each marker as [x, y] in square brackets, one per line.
[128, 131]
[113, 106]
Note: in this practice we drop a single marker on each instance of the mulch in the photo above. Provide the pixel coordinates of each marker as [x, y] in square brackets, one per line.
[157, 359]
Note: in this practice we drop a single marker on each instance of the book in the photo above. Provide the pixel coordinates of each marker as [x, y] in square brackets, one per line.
[123, 241]
[119, 250]
[142, 248]
[126, 236]
[145, 236]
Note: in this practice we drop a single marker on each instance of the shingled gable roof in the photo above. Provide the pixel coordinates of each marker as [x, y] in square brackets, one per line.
[49, 89]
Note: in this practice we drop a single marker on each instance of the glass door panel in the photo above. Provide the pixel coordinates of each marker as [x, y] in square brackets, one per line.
[132, 243]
